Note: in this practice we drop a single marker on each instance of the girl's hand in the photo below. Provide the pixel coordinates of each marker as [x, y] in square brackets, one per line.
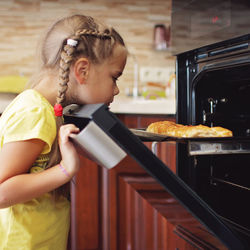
[70, 157]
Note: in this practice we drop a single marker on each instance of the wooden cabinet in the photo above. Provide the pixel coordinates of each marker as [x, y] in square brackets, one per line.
[122, 208]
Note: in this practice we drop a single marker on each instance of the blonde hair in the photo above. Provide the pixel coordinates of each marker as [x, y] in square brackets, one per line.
[95, 41]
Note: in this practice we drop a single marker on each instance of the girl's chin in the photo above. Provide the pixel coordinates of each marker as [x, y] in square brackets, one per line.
[108, 103]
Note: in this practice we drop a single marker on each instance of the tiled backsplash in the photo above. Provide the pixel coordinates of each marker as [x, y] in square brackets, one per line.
[23, 21]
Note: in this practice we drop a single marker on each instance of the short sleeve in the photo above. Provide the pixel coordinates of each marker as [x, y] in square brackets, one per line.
[31, 123]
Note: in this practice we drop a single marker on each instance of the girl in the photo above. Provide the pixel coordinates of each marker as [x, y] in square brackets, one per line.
[81, 61]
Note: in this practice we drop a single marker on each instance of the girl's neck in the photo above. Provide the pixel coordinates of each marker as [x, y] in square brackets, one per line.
[48, 88]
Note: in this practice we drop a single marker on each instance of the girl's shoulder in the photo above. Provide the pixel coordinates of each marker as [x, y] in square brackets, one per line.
[29, 115]
[31, 97]
[28, 107]
[29, 100]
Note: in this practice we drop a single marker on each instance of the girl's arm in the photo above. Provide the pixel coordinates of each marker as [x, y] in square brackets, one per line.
[16, 158]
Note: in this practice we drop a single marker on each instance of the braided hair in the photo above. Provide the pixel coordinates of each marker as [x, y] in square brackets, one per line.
[67, 40]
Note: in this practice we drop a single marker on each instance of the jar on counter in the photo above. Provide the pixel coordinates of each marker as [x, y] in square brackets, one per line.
[161, 37]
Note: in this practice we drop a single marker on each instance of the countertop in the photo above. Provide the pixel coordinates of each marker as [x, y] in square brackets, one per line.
[125, 105]
[132, 105]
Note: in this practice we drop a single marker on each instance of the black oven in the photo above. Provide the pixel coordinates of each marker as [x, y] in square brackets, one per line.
[194, 220]
[213, 89]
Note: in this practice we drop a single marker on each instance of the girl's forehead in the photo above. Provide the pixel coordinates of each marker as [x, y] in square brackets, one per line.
[119, 54]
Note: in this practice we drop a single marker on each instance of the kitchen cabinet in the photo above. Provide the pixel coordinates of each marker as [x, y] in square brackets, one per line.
[123, 208]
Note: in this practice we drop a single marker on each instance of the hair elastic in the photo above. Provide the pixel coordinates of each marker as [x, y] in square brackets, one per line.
[58, 109]
[72, 42]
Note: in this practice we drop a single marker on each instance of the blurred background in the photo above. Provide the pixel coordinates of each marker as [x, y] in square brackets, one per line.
[23, 21]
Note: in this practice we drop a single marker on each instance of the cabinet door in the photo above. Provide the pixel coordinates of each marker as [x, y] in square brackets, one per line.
[166, 151]
[122, 208]
[85, 207]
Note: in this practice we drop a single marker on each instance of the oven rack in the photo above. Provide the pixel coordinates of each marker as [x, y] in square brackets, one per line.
[229, 183]
[201, 145]
[215, 148]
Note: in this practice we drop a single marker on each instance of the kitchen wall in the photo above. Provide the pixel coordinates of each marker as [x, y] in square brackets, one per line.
[23, 21]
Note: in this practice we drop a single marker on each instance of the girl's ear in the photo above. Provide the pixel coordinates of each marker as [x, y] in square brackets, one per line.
[81, 70]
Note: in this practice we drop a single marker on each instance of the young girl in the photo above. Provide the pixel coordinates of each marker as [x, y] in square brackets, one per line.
[81, 61]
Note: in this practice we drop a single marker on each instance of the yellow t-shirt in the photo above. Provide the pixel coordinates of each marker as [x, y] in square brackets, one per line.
[42, 223]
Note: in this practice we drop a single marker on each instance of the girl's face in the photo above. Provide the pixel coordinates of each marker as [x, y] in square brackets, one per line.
[101, 86]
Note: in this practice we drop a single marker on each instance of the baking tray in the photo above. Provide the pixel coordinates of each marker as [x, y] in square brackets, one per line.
[148, 136]
[201, 145]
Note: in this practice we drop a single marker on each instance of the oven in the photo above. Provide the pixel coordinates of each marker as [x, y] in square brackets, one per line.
[193, 218]
[213, 89]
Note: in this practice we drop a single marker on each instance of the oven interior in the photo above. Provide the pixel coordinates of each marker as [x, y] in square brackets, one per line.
[219, 95]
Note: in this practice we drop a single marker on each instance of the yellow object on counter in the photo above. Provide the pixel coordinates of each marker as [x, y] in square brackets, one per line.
[12, 84]
[153, 94]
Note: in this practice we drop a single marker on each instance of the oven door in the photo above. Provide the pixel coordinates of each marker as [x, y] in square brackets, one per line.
[189, 210]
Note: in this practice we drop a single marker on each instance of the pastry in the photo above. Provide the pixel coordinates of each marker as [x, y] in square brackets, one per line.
[173, 129]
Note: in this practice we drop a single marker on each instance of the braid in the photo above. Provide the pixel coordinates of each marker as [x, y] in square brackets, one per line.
[93, 33]
[66, 59]
[67, 56]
